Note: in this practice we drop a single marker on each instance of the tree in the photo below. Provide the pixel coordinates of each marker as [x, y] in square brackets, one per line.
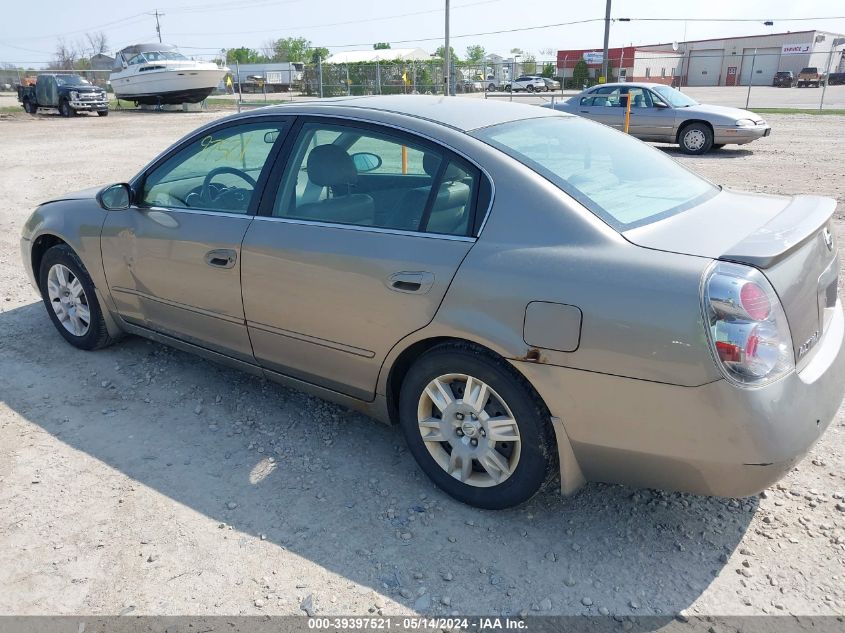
[381, 46]
[475, 53]
[580, 74]
[97, 43]
[548, 70]
[244, 55]
[65, 56]
[441, 52]
[529, 64]
[291, 49]
[319, 53]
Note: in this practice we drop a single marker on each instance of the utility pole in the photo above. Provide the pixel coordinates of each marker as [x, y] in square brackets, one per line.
[158, 26]
[447, 58]
[605, 61]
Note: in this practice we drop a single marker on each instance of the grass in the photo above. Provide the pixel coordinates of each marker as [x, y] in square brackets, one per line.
[836, 111]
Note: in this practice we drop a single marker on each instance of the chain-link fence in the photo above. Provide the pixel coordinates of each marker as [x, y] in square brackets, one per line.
[763, 78]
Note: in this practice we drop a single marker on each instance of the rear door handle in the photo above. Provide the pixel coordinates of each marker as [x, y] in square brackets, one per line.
[418, 282]
[221, 258]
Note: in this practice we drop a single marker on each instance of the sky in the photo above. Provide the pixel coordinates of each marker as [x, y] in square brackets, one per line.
[30, 31]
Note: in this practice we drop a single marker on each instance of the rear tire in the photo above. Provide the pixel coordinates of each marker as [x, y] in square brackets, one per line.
[695, 138]
[530, 88]
[29, 107]
[493, 455]
[71, 301]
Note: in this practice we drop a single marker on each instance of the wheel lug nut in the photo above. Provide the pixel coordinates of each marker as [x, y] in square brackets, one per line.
[460, 416]
[474, 442]
[459, 432]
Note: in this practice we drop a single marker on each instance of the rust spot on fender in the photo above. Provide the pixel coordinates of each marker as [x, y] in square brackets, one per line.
[532, 356]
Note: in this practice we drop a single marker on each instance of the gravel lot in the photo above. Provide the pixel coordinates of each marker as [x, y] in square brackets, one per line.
[143, 480]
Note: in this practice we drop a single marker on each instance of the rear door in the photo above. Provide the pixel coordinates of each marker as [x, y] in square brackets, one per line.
[346, 258]
[603, 105]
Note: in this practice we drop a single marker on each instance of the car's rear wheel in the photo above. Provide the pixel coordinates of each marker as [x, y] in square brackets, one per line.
[68, 294]
[695, 138]
[530, 87]
[476, 427]
[29, 107]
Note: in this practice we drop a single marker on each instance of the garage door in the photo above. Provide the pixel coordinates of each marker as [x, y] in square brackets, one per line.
[704, 67]
[765, 65]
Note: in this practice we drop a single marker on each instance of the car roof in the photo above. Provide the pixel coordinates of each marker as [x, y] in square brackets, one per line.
[460, 113]
[629, 84]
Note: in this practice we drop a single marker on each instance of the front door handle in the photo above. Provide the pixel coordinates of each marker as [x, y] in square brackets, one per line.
[417, 282]
[221, 258]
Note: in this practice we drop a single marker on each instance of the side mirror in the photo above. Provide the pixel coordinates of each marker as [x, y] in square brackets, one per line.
[270, 137]
[365, 161]
[115, 197]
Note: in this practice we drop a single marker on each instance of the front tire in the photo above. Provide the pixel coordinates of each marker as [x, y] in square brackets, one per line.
[65, 110]
[102, 112]
[71, 302]
[695, 138]
[476, 427]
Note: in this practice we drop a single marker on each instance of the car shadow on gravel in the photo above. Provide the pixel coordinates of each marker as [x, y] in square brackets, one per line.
[341, 490]
[729, 151]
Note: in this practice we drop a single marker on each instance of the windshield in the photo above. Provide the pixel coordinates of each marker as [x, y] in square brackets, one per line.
[160, 56]
[674, 98]
[71, 80]
[620, 179]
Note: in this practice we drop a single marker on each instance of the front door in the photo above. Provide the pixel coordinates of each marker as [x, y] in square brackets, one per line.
[650, 118]
[355, 252]
[173, 259]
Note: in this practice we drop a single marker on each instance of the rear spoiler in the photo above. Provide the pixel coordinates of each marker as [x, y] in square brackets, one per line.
[800, 220]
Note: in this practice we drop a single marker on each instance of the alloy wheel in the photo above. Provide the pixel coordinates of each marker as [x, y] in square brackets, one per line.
[694, 140]
[469, 430]
[68, 300]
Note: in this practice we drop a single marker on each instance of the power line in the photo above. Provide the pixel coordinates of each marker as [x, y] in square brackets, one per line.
[330, 24]
[438, 37]
[761, 20]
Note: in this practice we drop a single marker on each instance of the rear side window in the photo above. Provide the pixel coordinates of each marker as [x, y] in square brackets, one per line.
[620, 179]
[343, 174]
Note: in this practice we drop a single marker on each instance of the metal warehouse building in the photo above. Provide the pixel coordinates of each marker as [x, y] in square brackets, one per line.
[730, 61]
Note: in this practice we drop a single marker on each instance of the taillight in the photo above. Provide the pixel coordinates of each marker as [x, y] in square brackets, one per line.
[746, 325]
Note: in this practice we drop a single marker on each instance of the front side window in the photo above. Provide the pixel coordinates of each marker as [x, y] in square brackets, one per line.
[217, 172]
[621, 180]
[340, 174]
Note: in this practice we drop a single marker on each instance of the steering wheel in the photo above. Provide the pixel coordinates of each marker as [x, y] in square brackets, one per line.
[205, 192]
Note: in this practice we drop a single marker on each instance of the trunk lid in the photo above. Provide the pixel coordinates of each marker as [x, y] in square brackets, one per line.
[790, 239]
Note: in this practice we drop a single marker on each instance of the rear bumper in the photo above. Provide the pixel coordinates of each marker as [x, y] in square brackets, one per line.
[716, 439]
[740, 135]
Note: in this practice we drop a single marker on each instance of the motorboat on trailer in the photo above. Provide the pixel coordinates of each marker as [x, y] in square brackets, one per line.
[158, 74]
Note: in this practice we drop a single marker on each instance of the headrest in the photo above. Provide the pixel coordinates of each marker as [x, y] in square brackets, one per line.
[431, 163]
[330, 165]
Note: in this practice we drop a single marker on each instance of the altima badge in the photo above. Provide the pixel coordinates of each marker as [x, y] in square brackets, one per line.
[828, 238]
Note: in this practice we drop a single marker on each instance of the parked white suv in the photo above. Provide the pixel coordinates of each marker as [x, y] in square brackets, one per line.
[531, 83]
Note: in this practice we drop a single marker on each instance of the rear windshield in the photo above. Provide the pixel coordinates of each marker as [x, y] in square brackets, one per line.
[810, 70]
[620, 179]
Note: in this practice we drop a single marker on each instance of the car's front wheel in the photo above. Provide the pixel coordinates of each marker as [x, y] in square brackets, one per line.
[65, 110]
[530, 88]
[102, 112]
[476, 427]
[696, 138]
[68, 294]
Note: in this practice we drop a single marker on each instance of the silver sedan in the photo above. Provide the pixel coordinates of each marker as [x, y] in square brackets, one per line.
[525, 293]
[662, 114]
